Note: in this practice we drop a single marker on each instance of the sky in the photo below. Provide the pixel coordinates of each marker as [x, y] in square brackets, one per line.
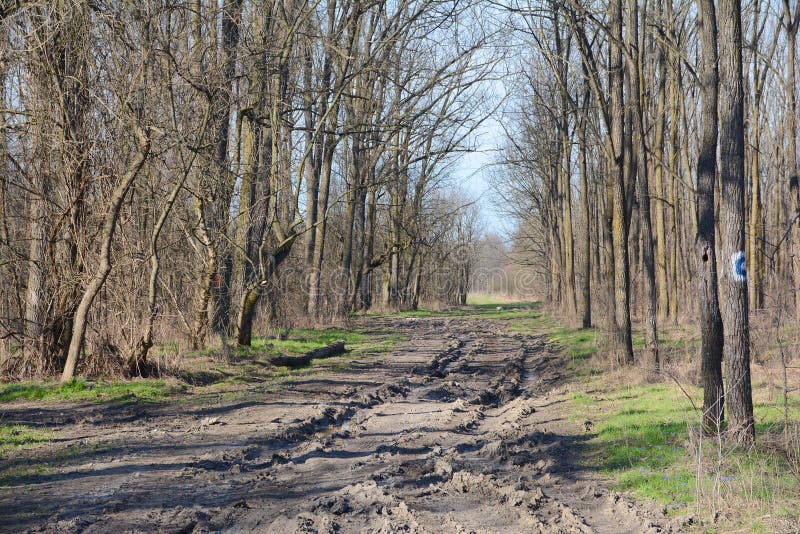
[474, 171]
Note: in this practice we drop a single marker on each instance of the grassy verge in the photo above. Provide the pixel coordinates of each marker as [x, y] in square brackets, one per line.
[250, 365]
[80, 389]
[21, 437]
[645, 436]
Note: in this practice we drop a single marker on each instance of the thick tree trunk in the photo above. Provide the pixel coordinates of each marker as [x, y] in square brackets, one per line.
[710, 318]
[620, 204]
[734, 279]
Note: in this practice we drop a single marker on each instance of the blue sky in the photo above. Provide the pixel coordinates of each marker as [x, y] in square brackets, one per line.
[474, 171]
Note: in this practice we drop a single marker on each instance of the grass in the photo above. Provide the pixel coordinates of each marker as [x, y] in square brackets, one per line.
[644, 436]
[300, 341]
[646, 439]
[22, 437]
[251, 366]
[80, 389]
[210, 374]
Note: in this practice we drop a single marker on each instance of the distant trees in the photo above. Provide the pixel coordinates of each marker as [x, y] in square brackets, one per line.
[176, 170]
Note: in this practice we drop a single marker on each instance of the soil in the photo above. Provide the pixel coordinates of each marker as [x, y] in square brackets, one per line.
[458, 430]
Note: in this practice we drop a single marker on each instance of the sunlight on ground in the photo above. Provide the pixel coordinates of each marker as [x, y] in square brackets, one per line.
[643, 435]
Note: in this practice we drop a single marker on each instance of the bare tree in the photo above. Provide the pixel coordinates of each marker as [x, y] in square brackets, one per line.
[734, 279]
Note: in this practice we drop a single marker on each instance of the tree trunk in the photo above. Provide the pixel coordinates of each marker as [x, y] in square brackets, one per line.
[792, 25]
[311, 169]
[755, 255]
[253, 292]
[36, 296]
[104, 267]
[620, 205]
[734, 279]
[658, 171]
[636, 63]
[710, 318]
[586, 293]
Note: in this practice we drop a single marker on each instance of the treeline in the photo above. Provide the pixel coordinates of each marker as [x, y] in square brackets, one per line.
[187, 169]
[652, 164]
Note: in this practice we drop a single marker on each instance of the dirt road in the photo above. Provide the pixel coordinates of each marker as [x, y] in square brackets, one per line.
[455, 431]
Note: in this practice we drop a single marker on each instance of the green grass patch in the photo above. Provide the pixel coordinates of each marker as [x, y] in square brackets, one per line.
[22, 436]
[80, 389]
[645, 438]
[299, 341]
[380, 345]
[13, 475]
[419, 312]
[251, 365]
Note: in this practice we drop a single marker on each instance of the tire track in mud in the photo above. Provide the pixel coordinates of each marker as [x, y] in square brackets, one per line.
[447, 435]
[480, 470]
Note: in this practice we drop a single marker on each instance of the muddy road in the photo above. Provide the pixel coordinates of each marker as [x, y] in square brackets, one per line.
[454, 431]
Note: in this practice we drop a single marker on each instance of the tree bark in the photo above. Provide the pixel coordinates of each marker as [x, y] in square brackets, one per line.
[586, 267]
[104, 267]
[734, 281]
[791, 21]
[710, 319]
[620, 205]
[658, 171]
[636, 63]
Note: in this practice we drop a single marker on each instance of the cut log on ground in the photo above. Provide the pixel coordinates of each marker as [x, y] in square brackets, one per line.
[334, 349]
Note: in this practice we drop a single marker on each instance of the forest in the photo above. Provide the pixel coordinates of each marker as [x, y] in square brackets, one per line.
[187, 170]
[195, 192]
[677, 124]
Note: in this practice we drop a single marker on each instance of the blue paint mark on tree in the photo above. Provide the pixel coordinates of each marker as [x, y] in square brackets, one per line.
[738, 267]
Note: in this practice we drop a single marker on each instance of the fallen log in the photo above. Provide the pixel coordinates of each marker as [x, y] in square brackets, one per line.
[335, 348]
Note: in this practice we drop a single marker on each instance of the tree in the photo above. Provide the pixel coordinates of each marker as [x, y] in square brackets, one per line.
[711, 327]
[636, 67]
[734, 279]
[624, 342]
